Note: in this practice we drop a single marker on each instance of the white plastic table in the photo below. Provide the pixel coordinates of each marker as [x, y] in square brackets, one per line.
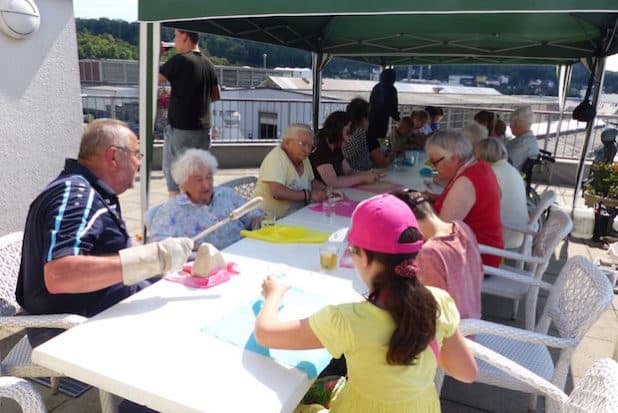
[150, 349]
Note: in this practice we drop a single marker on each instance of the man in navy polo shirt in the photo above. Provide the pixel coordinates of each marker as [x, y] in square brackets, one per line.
[75, 256]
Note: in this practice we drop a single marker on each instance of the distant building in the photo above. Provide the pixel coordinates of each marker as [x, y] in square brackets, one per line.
[461, 80]
[108, 72]
[94, 72]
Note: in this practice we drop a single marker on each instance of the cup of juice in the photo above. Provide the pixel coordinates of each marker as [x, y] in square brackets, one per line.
[328, 257]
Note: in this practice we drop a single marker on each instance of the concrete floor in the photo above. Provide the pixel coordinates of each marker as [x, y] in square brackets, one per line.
[456, 397]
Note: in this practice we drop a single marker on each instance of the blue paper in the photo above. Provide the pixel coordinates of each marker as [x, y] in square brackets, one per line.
[237, 328]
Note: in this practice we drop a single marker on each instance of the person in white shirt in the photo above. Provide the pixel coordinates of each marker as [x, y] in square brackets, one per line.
[474, 132]
[524, 146]
[513, 206]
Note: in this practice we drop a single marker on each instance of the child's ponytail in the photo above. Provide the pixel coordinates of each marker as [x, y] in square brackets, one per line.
[410, 303]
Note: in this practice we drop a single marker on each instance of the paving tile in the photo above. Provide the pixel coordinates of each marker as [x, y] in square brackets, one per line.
[605, 327]
[482, 397]
[449, 406]
[589, 351]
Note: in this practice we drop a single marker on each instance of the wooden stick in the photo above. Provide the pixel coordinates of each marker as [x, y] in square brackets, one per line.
[234, 215]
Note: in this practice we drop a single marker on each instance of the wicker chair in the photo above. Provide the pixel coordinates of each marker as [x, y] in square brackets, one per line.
[576, 301]
[18, 361]
[595, 392]
[535, 222]
[556, 228]
[244, 186]
[23, 393]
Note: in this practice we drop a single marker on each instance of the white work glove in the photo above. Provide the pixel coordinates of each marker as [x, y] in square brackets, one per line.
[145, 261]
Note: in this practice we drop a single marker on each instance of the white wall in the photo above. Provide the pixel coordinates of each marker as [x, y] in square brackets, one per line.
[40, 109]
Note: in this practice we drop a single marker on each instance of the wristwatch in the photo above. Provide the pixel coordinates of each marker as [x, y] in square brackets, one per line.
[307, 196]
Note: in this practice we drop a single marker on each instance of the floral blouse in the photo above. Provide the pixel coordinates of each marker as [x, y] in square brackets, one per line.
[180, 217]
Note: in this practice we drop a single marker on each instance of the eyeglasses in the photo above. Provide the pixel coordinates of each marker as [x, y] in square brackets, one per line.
[437, 161]
[126, 150]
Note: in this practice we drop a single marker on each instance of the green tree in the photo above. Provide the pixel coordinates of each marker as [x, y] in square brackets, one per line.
[104, 46]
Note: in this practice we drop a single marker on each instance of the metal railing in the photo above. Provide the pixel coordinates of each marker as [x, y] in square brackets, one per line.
[265, 120]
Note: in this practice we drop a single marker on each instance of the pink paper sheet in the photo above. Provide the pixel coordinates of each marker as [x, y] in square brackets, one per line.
[380, 187]
[343, 208]
[216, 277]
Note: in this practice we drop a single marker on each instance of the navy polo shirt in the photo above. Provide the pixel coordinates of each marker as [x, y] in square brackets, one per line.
[76, 214]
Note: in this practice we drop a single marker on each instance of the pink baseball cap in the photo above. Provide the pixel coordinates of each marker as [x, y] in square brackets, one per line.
[378, 222]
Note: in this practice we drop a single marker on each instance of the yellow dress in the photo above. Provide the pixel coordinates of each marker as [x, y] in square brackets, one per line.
[362, 332]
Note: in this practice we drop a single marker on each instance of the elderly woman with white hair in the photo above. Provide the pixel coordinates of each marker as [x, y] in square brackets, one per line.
[286, 180]
[474, 132]
[200, 204]
[524, 145]
[471, 194]
[513, 205]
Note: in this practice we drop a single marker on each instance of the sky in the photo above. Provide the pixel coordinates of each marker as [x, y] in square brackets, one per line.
[127, 10]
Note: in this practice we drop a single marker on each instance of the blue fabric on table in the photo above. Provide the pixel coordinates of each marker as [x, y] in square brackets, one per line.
[237, 328]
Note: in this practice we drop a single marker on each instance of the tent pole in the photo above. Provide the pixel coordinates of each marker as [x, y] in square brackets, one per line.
[316, 68]
[566, 73]
[148, 80]
[599, 76]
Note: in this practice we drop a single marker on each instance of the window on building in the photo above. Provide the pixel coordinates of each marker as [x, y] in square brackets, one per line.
[268, 125]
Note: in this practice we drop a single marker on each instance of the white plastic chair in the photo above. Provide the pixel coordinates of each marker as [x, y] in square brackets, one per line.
[244, 186]
[556, 228]
[577, 299]
[23, 393]
[596, 392]
[18, 361]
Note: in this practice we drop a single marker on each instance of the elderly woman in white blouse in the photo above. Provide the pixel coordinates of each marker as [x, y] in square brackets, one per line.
[199, 205]
[513, 206]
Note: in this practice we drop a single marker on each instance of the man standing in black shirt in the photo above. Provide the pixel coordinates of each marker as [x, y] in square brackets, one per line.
[194, 88]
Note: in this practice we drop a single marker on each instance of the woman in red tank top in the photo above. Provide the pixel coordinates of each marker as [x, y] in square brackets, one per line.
[472, 194]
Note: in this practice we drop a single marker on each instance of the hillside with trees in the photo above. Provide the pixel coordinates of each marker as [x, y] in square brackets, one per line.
[117, 39]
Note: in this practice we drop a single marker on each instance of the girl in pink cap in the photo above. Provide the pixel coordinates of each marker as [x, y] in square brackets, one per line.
[394, 341]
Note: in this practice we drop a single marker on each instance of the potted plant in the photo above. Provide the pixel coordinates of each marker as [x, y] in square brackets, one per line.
[602, 186]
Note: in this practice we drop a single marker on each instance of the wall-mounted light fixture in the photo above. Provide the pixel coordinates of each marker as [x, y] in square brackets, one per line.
[19, 18]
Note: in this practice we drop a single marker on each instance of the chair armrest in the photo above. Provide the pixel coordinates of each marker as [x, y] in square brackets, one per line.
[470, 326]
[64, 321]
[520, 278]
[528, 230]
[486, 249]
[516, 371]
[23, 392]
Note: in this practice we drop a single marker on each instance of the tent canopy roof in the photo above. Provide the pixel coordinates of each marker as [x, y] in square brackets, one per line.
[395, 32]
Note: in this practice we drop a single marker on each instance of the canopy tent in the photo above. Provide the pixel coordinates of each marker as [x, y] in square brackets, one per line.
[388, 32]
[392, 32]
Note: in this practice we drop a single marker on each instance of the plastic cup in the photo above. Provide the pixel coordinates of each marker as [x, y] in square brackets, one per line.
[410, 157]
[268, 221]
[328, 207]
[397, 162]
[328, 257]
